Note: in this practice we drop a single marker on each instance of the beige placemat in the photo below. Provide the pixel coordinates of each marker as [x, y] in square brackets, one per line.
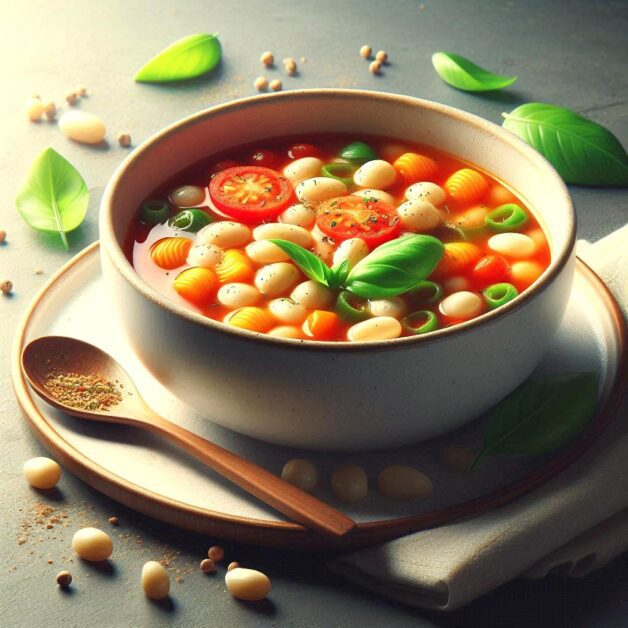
[573, 524]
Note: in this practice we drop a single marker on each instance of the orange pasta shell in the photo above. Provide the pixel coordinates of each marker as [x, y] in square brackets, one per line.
[170, 253]
[466, 186]
[414, 167]
[197, 285]
[235, 266]
[251, 318]
[458, 258]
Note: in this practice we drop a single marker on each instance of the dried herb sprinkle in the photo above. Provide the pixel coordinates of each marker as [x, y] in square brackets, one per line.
[84, 392]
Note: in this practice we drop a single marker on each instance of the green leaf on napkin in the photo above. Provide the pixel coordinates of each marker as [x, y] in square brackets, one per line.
[541, 415]
[54, 196]
[184, 59]
[583, 152]
[463, 74]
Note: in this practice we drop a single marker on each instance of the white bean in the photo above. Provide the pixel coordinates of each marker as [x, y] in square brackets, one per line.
[455, 284]
[394, 307]
[323, 245]
[404, 483]
[264, 252]
[237, 295]
[247, 584]
[418, 216]
[92, 544]
[461, 305]
[313, 295]
[457, 458]
[299, 215]
[286, 331]
[319, 189]
[350, 483]
[204, 255]
[155, 580]
[34, 109]
[281, 231]
[275, 279]
[287, 311]
[188, 196]
[304, 168]
[427, 191]
[42, 472]
[353, 250]
[301, 473]
[512, 244]
[83, 127]
[378, 328]
[379, 195]
[378, 174]
[225, 234]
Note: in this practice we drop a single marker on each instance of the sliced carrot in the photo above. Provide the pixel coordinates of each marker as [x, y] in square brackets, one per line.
[322, 325]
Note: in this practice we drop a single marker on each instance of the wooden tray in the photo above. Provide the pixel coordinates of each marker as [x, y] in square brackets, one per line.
[150, 476]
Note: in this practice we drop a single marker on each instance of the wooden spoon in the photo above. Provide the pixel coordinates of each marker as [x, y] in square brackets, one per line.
[58, 353]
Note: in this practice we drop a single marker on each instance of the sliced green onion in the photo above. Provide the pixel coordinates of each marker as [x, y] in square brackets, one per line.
[154, 212]
[509, 217]
[357, 153]
[191, 220]
[351, 308]
[340, 172]
[420, 322]
[425, 293]
[498, 294]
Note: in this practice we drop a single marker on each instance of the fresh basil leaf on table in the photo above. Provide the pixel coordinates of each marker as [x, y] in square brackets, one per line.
[54, 197]
[463, 74]
[311, 265]
[186, 58]
[583, 152]
[541, 415]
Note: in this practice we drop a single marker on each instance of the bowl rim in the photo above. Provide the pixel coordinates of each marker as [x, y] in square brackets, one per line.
[113, 249]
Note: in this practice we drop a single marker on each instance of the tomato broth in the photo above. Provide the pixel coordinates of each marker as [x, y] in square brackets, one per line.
[372, 239]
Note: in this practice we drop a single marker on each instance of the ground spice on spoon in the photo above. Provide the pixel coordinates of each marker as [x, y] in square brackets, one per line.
[84, 392]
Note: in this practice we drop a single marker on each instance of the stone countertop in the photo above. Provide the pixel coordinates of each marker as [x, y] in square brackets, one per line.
[567, 53]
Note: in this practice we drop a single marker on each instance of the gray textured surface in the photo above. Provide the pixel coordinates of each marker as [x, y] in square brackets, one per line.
[569, 53]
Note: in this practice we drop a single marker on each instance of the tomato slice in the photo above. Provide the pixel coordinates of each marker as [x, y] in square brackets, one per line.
[346, 217]
[251, 193]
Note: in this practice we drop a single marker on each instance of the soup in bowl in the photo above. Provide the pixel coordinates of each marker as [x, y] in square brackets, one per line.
[337, 269]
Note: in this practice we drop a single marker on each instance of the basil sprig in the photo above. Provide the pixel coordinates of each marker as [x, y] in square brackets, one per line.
[541, 415]
[391, 269]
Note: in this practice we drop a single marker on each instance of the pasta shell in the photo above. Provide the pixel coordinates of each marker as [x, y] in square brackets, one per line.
[466, 186]
[414, 167]
[458, 258]
[170, 253]
[251, 318]
[235, 267]
[197, 285]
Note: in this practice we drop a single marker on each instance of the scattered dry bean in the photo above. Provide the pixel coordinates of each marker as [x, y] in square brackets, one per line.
[268, 59]
[261, 83]
[403, 483]
[6, 286]
[3, 235]
[81, 91]
[113, 521]
[247, 584]
[92, 544]
[276, 85]
[208, 566]
[301, 473]
[457, 458]
[71, 98]
[349, 483]
[64, 578]
[381, 56]
[375, 67]
[233, 566]
[50, 110]
[155, 580]
[216, 553]
[124, 139]
[290, 66]
[366, 51]
[42, 472]
[34, 108]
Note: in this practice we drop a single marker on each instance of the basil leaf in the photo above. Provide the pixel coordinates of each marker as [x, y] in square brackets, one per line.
[462, 73]
[54, 196]
[340, 272]
[186, 58]
[541, 415]
[395, 267]
[583, 152]
[310, 264]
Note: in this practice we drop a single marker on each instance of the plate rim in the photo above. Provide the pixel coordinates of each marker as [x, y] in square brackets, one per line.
[285, 533]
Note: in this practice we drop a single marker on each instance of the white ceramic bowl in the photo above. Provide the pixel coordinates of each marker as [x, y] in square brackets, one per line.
[325, 395]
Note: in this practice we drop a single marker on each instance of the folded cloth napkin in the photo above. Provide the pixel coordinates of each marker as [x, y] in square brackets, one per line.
[573, 524]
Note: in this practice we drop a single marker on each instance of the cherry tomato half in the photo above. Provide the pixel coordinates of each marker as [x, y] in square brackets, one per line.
[297, 151]
[265, 158]
[346, 217]
[251, 193]
[489, 270]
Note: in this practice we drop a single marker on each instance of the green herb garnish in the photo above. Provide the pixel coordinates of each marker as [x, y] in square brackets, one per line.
[583, 152]
[463, 74]
[184, 59]
[54, 197]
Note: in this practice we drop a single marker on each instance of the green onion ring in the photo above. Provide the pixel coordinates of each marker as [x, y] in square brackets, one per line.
[154, 212]
[420, 322]
[336, 169]
[191, 220]
[425, 292]
[509, 217]
[498, 294]
[351, 308]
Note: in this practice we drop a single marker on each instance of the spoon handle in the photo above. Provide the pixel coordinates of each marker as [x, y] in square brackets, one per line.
[269, 488]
